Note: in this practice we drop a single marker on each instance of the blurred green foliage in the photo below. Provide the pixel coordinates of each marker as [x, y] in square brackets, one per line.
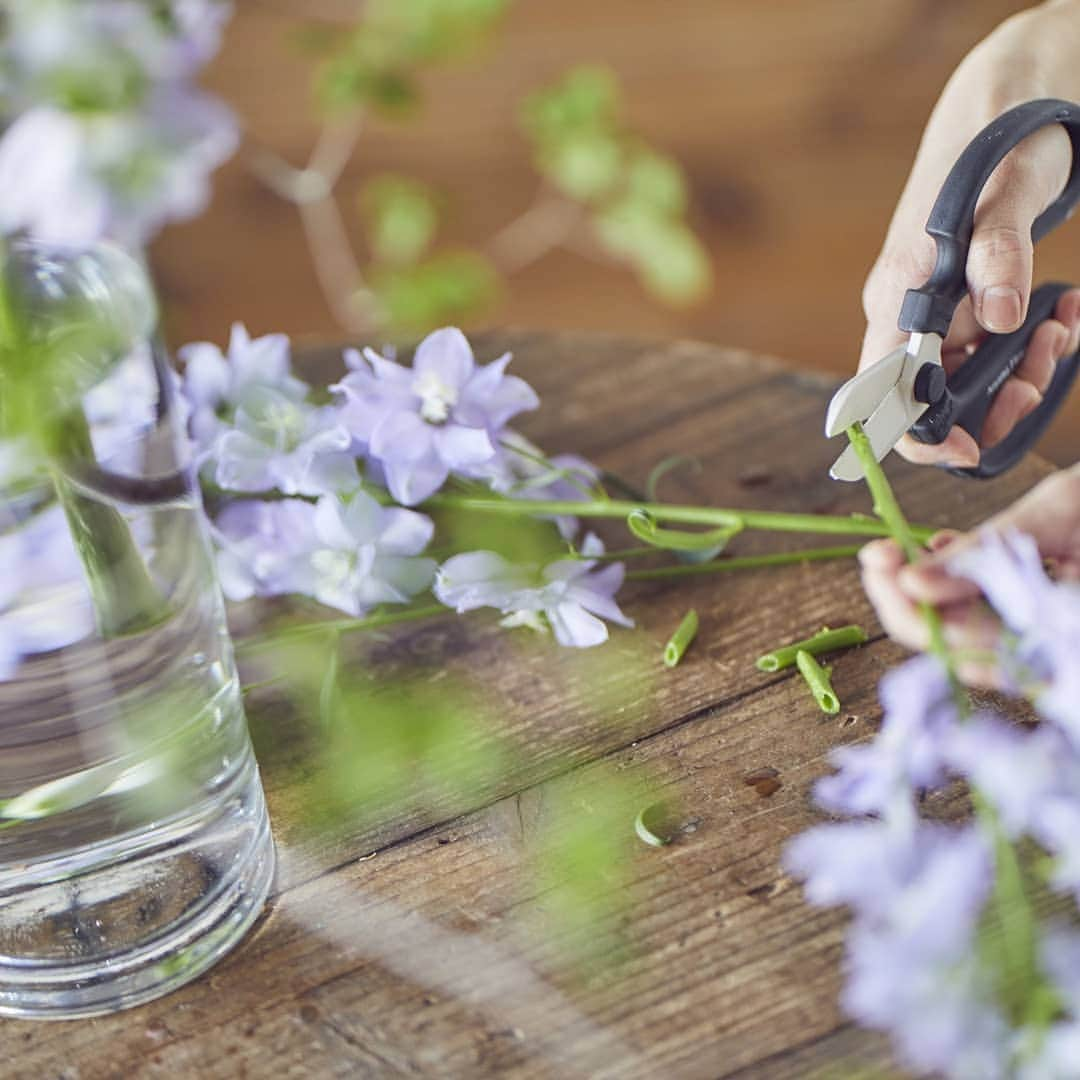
[634, 197]
[374, 65]
[413, 290]
[637, 195]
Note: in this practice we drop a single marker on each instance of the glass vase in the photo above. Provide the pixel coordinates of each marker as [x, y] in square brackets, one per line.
[134, 843]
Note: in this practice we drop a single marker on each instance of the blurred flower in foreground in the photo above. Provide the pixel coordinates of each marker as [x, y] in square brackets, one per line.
[106, 135]
[441, 416]
[568, 597]
[1043, 615]
[946, 951]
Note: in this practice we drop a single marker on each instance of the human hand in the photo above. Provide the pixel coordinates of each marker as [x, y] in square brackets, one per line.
[1050, 513]
[1033, 55]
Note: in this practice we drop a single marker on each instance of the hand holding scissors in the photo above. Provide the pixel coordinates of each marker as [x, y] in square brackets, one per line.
[909, 388]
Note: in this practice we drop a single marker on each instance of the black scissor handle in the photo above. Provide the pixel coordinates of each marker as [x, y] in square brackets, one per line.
[930, 308]
[971, 390]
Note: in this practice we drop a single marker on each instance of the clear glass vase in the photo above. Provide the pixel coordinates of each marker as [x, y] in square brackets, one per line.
[134, 843]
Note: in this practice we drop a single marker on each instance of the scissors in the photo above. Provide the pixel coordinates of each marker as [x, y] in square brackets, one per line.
[908, 390]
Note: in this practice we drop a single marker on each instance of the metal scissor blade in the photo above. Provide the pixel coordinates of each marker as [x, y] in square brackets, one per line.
[884, 429]
[861, 395]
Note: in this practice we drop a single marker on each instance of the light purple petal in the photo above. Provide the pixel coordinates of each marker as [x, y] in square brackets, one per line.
[574, 626]
[243, 463]
[412, 483]
[463, 447]
[479, 579]
[390, 374]
[333, 525]
[401, 437]
[404, 532]
[206, 373]
[446, 355]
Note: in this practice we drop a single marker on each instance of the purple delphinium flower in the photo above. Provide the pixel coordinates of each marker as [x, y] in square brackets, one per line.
[277, 443]
[367, 554]
[46, 176]
[44, 600]
[215, 383]
[568, 597]
[443, 415]
[917, 891]
[906, 756]
[349, 554]
[107, 135]
[521, 470]
[263, 547]
[1043, 618]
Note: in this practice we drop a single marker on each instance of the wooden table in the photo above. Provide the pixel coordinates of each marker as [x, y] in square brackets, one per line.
[410, 947]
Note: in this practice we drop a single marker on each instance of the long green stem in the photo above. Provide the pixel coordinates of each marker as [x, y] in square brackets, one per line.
[746, 562]
[124, 595]
[1024, 989]
[768, 520]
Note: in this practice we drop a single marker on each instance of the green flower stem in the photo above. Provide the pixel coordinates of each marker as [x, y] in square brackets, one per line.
[745, 562]
[1024, 989]
[885, 505]
[768, 520]
[615, 556]
[125, 598]
[681, 639]
[643, 526]
[818, 679]
[342, 626]
[843, 637]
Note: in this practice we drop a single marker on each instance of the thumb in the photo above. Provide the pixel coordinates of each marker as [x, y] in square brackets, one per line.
[999, 266]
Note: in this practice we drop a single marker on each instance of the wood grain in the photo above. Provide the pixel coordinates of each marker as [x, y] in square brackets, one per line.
[435, 956]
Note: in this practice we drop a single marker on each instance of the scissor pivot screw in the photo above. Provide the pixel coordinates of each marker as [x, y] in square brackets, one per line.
[929, 385]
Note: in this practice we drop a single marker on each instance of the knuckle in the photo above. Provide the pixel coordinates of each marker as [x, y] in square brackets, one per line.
[998, 243]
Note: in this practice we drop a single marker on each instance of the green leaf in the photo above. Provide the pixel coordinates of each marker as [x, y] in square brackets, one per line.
[449, 286]
[656, 181]
[402, 217]
[585, 100]
[677, 269]
[346, 82]
[586, 167]
[376, 63]
[670, 259]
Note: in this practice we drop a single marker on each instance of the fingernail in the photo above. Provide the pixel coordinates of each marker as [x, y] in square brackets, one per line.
[1001, 307]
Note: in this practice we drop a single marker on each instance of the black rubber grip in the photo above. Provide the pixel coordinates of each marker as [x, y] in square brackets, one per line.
[973, 389]
[930, 308]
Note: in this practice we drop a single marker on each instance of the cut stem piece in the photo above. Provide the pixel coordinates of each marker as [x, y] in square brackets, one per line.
[825, 641]
[817, 678]
[680, 640]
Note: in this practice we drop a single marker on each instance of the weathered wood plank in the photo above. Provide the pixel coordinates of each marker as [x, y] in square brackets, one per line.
[742, 416]
[425, 960]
